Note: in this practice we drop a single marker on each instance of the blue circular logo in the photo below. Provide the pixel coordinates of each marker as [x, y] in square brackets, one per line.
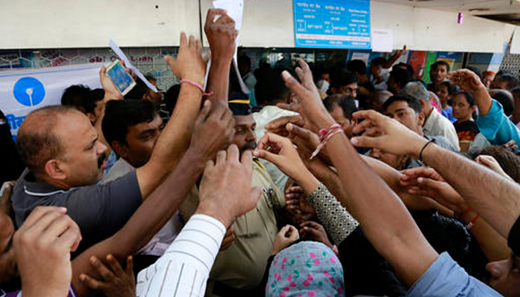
[29, 91]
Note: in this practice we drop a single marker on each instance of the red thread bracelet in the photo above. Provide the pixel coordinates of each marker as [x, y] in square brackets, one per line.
[190, 82]
[472, 222]
[326, 135]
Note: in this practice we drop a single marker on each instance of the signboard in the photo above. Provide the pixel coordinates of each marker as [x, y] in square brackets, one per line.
[22, 91]
[332, 24]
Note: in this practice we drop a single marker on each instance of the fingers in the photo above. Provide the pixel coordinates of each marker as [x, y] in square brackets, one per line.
[310, 224]
[280, 123]
[39, 212]
[263, 154]
[129, 265]
[105, 273]
[293, 234]
[114, 265]
[293, 85]
[212, 13]
[232, 153]
[221, 158]
[364, 141]
[183, 40]
[310, 139]
[247, 161]
[90, 282]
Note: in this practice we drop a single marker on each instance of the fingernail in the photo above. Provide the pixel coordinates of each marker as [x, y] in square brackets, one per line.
[420, 179]
[82, 277]
[286, 74]
[354, 141]
[289, 127]
[255, 153]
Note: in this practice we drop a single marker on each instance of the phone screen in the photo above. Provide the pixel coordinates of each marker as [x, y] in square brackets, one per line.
[122, 80]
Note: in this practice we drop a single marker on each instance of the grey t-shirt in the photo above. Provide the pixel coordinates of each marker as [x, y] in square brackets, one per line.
[99, 210]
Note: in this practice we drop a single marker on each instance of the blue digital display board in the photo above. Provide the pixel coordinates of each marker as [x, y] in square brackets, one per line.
[332, 23]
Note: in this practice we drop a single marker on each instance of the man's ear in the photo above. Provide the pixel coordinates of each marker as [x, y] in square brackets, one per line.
[91, 117]
[120, 149]
[420, 119]
[54, 169]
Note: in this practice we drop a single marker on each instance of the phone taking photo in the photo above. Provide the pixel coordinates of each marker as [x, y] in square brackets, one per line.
[121, 79]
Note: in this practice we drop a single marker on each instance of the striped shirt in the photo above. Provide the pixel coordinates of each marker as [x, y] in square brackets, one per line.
[184, 268]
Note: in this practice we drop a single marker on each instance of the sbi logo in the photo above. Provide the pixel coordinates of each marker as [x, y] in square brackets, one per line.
[29, 91]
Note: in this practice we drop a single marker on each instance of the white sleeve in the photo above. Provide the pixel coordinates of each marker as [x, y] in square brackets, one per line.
[184, 268]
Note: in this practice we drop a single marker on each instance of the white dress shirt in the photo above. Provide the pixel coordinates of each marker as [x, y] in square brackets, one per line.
[437, 125]
[184, 268]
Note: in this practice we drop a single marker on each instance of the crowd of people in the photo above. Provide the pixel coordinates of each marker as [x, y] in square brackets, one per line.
[313, 180]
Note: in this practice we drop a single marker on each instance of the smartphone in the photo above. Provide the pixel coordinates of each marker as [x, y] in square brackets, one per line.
[121, 79]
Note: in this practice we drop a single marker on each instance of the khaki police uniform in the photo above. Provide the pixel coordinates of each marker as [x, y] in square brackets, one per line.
[243, 264]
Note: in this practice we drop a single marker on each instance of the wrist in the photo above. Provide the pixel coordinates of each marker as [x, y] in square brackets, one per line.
[418, 147]
[215, 211]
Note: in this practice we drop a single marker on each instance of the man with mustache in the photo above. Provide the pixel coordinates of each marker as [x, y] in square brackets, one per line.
[239, 269]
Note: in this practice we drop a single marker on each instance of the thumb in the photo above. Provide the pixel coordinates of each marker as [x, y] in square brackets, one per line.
[364, 141]
[171, 61]
[428, 183]
[263, 154]
[254, 197]
[203, 114]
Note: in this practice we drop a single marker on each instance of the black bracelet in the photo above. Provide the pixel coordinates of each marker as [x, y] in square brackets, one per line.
[425, 145]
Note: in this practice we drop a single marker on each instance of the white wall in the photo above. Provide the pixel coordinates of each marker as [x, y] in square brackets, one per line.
[88, 23]
[267, 23]
[431, 30]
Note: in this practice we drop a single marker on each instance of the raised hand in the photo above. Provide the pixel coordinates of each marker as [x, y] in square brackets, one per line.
[467, 80]
[297, 205]
[311, 107]
[225, 190]
[115, 282]
[386, 134]
[111, 92]
[189, 63]
[43, 245]
[287, 236]
[278, 126]
[221, 34]
[213, 131]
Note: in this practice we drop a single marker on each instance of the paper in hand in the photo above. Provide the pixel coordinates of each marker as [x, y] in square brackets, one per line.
[117, 50]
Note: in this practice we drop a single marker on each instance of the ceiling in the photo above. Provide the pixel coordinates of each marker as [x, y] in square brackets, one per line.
[501, 10]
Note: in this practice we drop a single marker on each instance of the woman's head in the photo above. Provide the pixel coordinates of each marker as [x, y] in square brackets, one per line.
[308, 268]
[464, 106]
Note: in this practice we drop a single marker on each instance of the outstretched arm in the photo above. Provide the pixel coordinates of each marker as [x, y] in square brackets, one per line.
[175, 137]
[383, 216]
[213, 131]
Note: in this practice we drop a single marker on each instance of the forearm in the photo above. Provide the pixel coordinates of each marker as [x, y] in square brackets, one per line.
[490, 194]
[383, 216]
[218, 80]
[483, 101]
[492, 244]
[173, 142]
[335, 218]
[184, 269]
[145, 222]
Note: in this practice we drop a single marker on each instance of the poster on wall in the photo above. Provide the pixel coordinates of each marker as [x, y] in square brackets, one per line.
[26, 90]
[332, 24]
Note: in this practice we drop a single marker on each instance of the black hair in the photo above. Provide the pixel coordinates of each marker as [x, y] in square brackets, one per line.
[138, 91]
[508, 161]
[505, 98]
[270, 87]
[469, 98]
[80, 97]
[412, 102]
[171, 96]
[379, 61]
[439, 63]
[122, 114]
[452, 89]
[402, 65]
[512, 80]
[357, 66]
[516, 90]
[400, 76]
[339, 78]
[346, 103]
